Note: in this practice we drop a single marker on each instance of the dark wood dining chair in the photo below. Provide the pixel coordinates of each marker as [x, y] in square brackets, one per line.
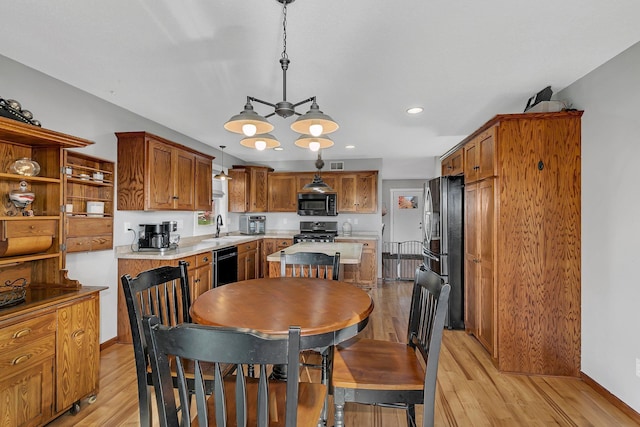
[236, 399]
[163, 292]
[310, 264]
[391, 374]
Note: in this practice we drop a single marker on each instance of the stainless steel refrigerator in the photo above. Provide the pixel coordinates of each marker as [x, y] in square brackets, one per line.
[443, 233]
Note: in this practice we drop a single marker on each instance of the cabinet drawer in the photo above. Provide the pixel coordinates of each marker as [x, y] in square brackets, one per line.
[245, 247]
[22, 334]
[89, 226]
[191, 261]
[203, 259]
[89, 243]
[27, 355]
[28, 228]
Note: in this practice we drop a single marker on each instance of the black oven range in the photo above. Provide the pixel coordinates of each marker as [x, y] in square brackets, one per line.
[316, 231]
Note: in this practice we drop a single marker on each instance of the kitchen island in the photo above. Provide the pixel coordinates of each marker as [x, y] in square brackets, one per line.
[350, 253]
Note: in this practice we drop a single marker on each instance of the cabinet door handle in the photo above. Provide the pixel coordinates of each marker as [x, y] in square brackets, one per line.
[365, 244]
[21, 359]
[77, 334]
[175, 197]
[22, 332]
[205, 259]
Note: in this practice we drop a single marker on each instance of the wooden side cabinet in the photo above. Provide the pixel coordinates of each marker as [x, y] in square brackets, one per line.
[158, 174]
[78, 352]
[453, 164]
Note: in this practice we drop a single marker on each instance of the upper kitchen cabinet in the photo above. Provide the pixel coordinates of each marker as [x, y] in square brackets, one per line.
[31, 228]
[357, 192]
[248, 188]
[329, 178]
[88, 201]
[522, 243]
[158, 174]
[203, 187]
[283, 191]
[453, 164]
[480, 156]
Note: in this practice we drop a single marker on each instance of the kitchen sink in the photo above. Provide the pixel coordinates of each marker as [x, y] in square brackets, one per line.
[225, 239]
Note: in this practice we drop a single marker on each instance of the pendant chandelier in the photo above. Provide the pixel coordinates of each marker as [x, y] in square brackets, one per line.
[318, 184]
[222, 176]
[313, 125]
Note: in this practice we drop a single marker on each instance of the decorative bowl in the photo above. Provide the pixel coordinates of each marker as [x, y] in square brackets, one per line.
[25, 166]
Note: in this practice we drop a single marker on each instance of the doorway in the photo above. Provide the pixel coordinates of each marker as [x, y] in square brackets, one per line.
[407, 205]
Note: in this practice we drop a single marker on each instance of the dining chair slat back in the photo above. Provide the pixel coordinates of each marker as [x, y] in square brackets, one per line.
[310, 264]
[236, 399]
[162, 292]
[388, 373]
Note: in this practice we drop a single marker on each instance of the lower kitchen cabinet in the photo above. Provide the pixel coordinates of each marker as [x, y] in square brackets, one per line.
[364, 274]
[200, 274]
[49, 359]
[270, 246]
[248, 267]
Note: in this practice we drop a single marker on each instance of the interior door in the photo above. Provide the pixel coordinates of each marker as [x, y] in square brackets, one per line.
[407, 207]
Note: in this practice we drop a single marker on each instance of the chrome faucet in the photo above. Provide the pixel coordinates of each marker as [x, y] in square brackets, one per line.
[218, 225]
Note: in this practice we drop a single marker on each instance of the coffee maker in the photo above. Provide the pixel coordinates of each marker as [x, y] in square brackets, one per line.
[156, 237]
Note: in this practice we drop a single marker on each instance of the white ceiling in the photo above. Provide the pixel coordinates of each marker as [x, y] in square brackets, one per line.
[190, 64]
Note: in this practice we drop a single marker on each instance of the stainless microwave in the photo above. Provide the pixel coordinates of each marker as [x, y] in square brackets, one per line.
[252, 224]
[317, 204]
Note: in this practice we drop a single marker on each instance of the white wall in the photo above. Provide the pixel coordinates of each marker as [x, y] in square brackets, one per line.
[609, 97]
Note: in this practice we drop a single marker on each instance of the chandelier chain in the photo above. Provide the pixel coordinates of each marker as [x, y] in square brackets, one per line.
[284, 30]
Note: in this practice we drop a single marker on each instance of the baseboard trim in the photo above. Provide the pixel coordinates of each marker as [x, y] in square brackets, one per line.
[109, 343]
[629, 411]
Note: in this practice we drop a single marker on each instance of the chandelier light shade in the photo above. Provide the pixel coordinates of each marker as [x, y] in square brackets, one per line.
[248, 122]
[260, 142]
[222, 176]
[314, 122]
[314, 143]
[256, 127]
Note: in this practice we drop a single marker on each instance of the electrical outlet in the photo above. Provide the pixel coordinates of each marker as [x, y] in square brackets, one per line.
[638, 366]
[355, 221]
[127, 226]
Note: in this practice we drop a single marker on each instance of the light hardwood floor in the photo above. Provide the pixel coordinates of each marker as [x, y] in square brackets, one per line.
[471, 392]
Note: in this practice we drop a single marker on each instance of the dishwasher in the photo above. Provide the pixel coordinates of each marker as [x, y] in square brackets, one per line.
[225, 266]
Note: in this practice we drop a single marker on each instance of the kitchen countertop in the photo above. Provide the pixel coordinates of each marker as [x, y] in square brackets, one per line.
[350, 253]
[195, 245]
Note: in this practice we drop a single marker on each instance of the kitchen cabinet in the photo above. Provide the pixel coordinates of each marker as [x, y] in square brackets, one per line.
[283, 192]
[248, 267]
[522, 243]
[200, 272]
[78, 352]
[480, 156]
[158, 174]
[453, 164]
[480, 315]
[269, 246]
[248, 188]
[358, 192]
[365, 274]
[87, 179]
[203, 184]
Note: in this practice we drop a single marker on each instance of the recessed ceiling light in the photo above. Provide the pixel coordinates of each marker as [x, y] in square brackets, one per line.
[278, 149]
[415, 110]
[349, 147]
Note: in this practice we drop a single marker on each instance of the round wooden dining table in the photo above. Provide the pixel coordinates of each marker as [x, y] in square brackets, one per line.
[327, 311]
